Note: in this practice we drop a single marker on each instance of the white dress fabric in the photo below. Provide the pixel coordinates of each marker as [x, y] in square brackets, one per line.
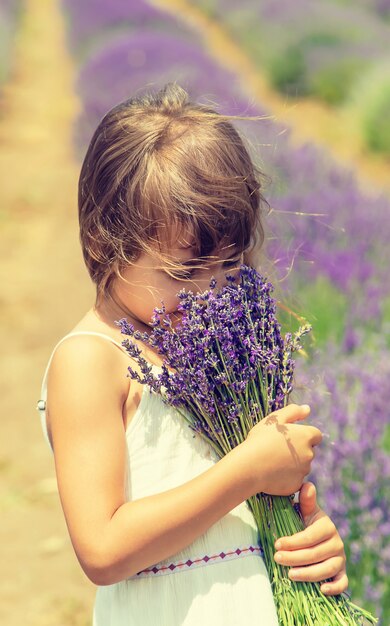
[218, 580]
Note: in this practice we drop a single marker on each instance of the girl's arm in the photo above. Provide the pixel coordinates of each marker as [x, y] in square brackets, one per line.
[114, 539]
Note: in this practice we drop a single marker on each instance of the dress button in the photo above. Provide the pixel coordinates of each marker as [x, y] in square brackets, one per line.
[41, 405]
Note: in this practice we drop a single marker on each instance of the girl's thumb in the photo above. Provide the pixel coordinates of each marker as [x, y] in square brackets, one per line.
[291, 413]
[308, 501]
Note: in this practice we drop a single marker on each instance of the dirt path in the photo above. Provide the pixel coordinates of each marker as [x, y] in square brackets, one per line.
[309, 120]
[42, 584]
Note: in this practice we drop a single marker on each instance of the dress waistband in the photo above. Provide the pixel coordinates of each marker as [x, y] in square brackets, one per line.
[171, 568]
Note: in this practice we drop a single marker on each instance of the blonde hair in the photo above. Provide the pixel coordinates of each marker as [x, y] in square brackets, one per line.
[161, 162]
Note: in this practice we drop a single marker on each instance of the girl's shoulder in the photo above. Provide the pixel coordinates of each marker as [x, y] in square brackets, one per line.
[88, 369]
[89, 351]
[92, 349]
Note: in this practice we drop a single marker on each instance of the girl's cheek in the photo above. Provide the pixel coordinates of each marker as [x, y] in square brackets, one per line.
[168, 295]
[171, 304]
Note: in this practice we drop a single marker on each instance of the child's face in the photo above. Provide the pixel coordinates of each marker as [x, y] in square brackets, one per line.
[145, 285]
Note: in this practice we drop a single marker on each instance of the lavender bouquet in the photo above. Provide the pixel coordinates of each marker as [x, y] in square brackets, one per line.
[225, 367]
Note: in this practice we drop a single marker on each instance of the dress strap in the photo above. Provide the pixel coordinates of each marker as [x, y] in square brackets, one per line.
[73, 334]
[41, 405]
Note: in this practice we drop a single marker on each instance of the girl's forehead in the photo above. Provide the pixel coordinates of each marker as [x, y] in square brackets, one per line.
[177, 237]
[179, 242]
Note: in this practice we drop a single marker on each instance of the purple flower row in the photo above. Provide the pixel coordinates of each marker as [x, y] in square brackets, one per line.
[93, 23]
[350, 400]
[325, 225]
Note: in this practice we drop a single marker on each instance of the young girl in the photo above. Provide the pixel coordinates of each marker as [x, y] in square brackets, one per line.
[169, 197]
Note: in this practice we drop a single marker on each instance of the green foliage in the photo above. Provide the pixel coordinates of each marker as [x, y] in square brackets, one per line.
[290, 68]
[4, 59]
[287, 70]
[9, 19]
[209, 7]
[370, 105]
[386, 439]
[376, 125]
[386, 311]
[249, 34]
[357, 581]
[323, 306]
[333, 82]
[3, 70]
[320, 38]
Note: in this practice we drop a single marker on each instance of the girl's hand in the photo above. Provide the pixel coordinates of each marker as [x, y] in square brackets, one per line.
[278, 452]
[316, 553]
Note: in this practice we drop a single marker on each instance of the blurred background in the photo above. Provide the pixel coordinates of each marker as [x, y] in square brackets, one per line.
[320, 74]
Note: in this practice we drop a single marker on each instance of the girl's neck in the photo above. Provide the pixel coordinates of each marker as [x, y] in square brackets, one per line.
[109, 309]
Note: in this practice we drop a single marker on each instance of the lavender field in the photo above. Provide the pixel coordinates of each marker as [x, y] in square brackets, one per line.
[327, 239]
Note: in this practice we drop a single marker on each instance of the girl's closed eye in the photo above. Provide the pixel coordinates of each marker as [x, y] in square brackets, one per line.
[185, 274]
[182, 274]
[232, 262]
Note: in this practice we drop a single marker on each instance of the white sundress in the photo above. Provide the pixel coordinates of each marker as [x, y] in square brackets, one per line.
[218, 580]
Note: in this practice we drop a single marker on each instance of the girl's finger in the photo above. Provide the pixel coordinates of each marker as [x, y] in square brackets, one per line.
[321, 552]
[337, 585]
[321, 571]
[290, 414]
[319, 531]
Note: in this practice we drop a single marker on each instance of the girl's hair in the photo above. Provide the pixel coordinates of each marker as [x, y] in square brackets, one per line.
[161, 164]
